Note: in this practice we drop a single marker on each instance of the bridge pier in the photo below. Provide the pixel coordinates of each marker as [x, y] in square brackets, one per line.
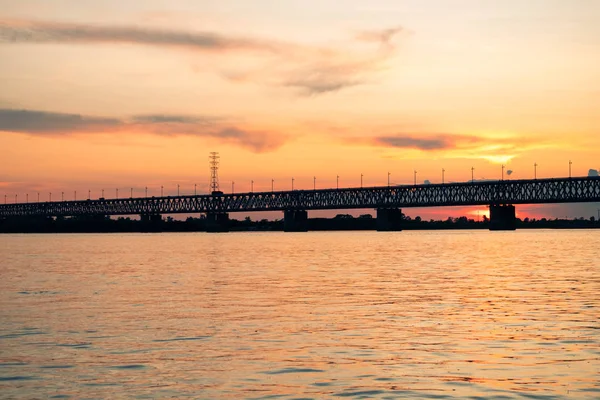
[217, 222]
[295, 221]
[389, 219]
[153, 218]
[502, 217]
[151, 222]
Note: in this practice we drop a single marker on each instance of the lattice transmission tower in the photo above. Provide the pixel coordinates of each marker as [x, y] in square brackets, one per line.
[214, 171]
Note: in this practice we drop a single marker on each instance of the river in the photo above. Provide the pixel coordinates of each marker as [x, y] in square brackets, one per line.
[414, 314]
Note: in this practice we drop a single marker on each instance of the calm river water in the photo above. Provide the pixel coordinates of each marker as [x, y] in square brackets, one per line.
[433, 315]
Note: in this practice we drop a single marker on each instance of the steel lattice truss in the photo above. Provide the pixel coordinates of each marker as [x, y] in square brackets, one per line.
[563, 190]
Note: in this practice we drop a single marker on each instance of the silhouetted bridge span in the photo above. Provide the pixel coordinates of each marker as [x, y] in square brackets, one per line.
[501, 196]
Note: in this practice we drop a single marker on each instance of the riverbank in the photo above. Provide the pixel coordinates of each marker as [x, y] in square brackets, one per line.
[339, 223]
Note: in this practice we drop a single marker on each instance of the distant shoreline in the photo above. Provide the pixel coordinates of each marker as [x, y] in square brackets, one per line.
[340, 223]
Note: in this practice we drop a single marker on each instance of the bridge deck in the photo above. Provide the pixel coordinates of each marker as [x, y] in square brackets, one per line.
[558, 190]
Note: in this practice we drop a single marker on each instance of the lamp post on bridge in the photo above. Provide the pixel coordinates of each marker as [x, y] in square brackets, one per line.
[16, 195]
[535, 171]
[27, 198]
[75, 195]
[117, 195]
[102, 193]
[89, 194]
[337, 182]
[443, 170]
[62, 196]
[38, 197]
[232, 183]
[195, 189]
[472, 174]
[292, 184]
[570, 163]
[146, 191]
[389, 173]
[161, 190]
[131, 193]
[252, 186]
[502, 172]
[272, 185]
[314, 183]
[4, 199]
[415, 178]
[50, 196]
[361, 181]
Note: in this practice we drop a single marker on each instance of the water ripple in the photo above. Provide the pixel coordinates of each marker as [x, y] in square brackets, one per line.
[293, 371]
[182, 338]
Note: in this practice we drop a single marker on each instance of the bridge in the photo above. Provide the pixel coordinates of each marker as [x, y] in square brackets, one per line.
[500, 196]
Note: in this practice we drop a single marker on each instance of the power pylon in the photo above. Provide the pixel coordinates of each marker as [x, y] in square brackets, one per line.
[214, 171]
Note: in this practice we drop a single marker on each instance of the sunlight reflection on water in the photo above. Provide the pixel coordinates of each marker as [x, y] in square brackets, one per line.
[468, 314]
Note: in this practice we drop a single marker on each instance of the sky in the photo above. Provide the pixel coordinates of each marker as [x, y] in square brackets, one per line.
[127, 95]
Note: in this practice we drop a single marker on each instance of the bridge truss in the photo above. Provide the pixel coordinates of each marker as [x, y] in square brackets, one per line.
[560, 190]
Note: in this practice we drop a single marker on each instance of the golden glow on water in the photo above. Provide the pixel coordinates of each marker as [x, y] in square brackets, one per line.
[468, 314]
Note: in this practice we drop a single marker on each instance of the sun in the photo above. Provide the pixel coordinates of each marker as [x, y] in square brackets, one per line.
[479, 213]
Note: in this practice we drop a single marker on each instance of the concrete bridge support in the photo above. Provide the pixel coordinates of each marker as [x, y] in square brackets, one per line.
[151, 222]
[217, 222]
[149, 218]
[502, 217]
[389, 219]
[295, 221]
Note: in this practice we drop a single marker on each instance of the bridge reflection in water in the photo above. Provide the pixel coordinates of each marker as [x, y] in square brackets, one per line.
[500, 196]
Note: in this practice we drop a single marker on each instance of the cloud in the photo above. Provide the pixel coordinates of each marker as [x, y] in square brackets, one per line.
[494, 149]
[382, 36]
[321, 79]
[436, 142]
[334, 71]
[49, 123]
[258, 141]
[313, 77]
[312, 70]
[46, 122]
[56, 32]
[172, 119]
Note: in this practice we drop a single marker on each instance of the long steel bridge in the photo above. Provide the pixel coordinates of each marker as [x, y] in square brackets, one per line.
[556, 190]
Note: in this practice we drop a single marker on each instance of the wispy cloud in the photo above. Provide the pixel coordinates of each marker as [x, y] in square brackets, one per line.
[382, 36]
[495, 149]
[319, 79]
[315, 72]
[173, 119]
[34, 122]
[309, 69]
[47, 122]
[437, 142]
[424, 142]
[55, 32]
[334, 71]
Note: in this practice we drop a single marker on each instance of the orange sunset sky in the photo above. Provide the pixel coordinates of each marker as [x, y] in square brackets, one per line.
[127, 94]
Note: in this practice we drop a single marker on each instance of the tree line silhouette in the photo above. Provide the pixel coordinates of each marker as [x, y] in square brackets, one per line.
[91, 224]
